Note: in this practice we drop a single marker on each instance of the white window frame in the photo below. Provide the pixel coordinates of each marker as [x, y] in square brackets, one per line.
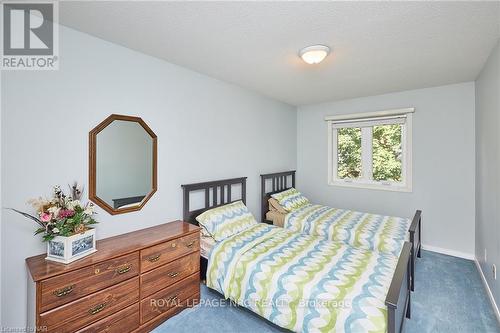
[366, 121]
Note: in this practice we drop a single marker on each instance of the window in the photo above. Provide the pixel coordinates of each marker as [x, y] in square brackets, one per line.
[371, 150]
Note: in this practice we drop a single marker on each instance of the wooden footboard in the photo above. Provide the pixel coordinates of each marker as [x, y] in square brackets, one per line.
[398, 300]
[415, 238]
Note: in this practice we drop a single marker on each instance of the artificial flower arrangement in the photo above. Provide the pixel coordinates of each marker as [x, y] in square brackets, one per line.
[65, 223]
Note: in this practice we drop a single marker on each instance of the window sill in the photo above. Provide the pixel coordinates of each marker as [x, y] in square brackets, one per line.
[371, 186]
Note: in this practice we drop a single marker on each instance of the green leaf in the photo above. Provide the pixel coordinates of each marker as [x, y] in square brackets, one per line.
[39, 231]
[48, 237]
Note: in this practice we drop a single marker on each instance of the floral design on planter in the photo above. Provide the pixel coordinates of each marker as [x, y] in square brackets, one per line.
[56, 249]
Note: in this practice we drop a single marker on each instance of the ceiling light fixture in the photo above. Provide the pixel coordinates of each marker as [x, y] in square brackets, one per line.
[314, 54]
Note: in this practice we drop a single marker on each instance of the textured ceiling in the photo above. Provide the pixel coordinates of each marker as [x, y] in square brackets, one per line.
[378, 47]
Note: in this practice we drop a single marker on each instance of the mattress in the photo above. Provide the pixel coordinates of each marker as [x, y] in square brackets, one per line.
[301, 282]
[372, 232]
[276, 217]
[206, 245]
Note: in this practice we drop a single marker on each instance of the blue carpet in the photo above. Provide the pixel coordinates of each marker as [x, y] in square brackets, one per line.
[449, 298]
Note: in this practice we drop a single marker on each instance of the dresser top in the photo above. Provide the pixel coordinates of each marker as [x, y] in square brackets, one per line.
[111, 247]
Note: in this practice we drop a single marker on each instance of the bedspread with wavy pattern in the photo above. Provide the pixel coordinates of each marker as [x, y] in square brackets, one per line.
[367, 231]
[301, 282]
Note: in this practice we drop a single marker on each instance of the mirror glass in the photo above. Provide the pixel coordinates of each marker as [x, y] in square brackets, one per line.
[124, 164]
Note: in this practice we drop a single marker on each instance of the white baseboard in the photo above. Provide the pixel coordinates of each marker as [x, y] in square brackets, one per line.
[453, 253]
[488, 290]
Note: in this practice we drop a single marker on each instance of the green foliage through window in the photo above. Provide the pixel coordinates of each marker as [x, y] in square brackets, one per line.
[387, 153]
[349, 153]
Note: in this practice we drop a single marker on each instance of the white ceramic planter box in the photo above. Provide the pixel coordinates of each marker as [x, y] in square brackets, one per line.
[69, 249]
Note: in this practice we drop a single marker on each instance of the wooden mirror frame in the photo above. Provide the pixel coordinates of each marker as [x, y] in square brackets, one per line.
[92, 164]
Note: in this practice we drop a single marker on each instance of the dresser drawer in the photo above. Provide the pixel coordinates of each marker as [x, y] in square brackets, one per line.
[78, 314]
[170, 297]
[123, 321]
[170, 273]
[67, 287]
[160, 254]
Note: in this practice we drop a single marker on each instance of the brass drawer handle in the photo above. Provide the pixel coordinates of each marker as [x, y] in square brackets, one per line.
[123, 269]
[173, 274]
[154, 258]
[190, 244]
[96, 309]
[64, 291]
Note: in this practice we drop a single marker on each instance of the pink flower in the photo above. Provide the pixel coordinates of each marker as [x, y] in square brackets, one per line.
[64, 213]
[46, 217]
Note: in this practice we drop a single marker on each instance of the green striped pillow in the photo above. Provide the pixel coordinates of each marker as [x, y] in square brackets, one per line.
[291, 199]
[225, 221]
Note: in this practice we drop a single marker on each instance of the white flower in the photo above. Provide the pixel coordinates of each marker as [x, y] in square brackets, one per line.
[54, 211]
[89, 210]
[73, 204]
[55, 230]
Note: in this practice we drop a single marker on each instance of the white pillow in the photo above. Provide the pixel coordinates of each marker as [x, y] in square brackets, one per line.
[291, 199]
[224, 221]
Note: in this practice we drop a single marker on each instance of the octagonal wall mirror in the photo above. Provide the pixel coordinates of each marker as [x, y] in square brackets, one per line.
[122, 164]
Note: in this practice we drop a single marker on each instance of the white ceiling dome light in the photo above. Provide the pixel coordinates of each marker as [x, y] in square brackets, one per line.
[314, 54]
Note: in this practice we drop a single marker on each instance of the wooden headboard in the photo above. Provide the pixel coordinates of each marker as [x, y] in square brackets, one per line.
[279, 181]
[221, 191]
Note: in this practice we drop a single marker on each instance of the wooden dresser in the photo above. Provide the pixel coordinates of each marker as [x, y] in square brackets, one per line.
[133, 283]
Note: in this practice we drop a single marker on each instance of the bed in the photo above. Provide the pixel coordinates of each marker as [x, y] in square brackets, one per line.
[369, 231]
[302, 282]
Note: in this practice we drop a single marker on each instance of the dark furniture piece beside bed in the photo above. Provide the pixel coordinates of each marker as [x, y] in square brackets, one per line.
[280, 183]
[216, 193]
[117, 203]
[398, 298]
[133, 282]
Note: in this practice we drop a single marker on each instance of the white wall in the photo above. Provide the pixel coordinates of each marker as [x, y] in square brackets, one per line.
[443, 163]
[206, 130]
[1, 202]
[487, 169]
